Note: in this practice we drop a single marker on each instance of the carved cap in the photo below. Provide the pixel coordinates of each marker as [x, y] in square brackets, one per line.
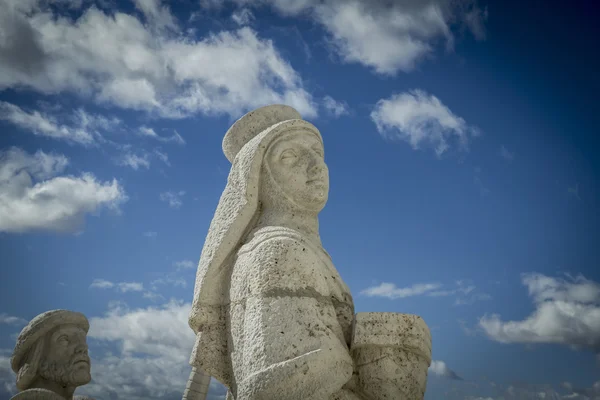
[40, 326]
[253, 123]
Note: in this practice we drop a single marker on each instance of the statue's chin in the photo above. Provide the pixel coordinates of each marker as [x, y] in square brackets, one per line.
[78, 376]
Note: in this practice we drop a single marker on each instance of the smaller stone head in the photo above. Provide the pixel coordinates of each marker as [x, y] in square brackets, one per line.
[53, 347]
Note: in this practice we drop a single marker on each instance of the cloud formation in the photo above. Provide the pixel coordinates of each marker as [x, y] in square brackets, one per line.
[83, 128]
[34, 197]
[440, 368]
[11, 320]
[173, 198]
[118, 60]
[386, 36]
[567, 312]
[123, 287]
[421, 120]
[465, 292]
[153, 348]
[390, 290]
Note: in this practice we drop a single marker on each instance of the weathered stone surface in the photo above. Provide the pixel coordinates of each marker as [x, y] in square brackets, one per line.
[392, 353]
[51, 356]
[273, 317]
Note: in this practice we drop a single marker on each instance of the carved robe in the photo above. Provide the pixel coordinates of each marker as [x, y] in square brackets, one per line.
[290, 319]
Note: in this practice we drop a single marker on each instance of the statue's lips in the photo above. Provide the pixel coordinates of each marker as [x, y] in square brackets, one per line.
[318, 181]
[82, 361]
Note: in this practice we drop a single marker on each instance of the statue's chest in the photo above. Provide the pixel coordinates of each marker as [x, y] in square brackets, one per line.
[299, 271]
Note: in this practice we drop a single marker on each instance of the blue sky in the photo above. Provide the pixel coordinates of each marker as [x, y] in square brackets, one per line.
[460, 138]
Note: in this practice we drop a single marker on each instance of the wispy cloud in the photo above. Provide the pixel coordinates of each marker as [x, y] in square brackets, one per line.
[149, 132]
[11, 320]
[421, 120]
[44, 125]
[184, 264]
[440, 368]
[34, 197]
[173, 198]
[134, 161]
[465, 293]
[567, 312]
[150, 234]
[123, 287]
[242, 16]
[478, 180]
[390, 290]
[334, 107]
[387, 36]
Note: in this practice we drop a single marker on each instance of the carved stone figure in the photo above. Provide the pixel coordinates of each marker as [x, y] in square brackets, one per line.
[51, 356]
[273, 317]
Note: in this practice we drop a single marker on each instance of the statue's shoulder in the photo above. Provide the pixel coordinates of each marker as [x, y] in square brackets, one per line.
[37, 394]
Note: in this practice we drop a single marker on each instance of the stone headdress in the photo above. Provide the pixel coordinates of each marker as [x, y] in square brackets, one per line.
[29, 339]
[244, 145]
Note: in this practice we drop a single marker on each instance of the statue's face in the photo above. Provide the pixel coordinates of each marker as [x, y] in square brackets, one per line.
[67, 361]
[297, 166]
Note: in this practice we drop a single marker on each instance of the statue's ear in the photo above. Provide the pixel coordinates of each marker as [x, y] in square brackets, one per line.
[26, 376]
[29, 370]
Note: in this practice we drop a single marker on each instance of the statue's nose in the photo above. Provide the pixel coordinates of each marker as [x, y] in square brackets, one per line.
[81, 348]
[316, 163]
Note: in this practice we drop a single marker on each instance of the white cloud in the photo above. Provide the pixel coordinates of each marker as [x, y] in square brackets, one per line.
[465, 293]
[440, 368]
[334, 107]
[421, 119]
[11, 320]
[386, 36]
[149, 132]
[172, 198]
[102, 284]
[154, 345]
[123, 287]
[567, 311]
[242, 16]
[169, 280]
[184, 264]
[43, 125]
[390, 290]
[157, 14]
[134, 161]
[33, 197]
[115, 59]
[150, 234]
[7, 376]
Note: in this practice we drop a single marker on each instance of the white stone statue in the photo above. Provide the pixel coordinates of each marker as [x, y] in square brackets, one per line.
[273, 318]
[51, 357]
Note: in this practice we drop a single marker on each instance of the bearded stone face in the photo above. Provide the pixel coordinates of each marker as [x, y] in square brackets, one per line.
[67, 361]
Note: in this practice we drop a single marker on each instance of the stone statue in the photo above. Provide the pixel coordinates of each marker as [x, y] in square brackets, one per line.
[272, 316]
[51, 356]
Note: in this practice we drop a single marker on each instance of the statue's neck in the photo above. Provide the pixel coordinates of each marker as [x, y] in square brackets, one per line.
[307, 223]
[64, 391]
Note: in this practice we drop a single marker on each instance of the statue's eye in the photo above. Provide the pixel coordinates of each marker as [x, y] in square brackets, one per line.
[63, 339]
[319, 152]
[288, 155]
